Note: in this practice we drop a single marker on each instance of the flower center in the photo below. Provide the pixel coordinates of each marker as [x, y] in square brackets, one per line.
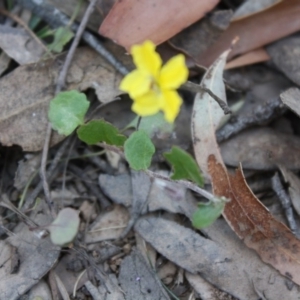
[155, 86]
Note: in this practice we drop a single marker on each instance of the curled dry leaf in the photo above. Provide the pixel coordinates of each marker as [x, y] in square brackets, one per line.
[249, 219]
[27, 91]
[131, 22]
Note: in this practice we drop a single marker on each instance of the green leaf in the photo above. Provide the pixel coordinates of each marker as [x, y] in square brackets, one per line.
[62, 36]
[153, 124]
[206, 214]
[139, 150]
[67, 111]
[100, 131]
[184, 166]
[65, 227]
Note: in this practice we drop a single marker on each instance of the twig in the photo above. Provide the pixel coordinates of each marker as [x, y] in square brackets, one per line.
[193, 87]
[186, 184]
[62, 76]
[91, 261]
[262, 113]
[50, 174]
[92, 187]
[56, 18]
[285, 202]
[59, 86]
[43, 171]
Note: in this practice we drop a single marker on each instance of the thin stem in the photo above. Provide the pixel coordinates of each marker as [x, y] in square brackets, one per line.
[186, 184]
[60, 84]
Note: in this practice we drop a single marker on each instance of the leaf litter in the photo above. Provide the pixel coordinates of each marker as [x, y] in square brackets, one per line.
[157, 214]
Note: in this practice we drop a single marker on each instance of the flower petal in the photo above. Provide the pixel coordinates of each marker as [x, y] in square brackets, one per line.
[146, 59]
[136, 83]
[174, 73]
[171, 106]
[147, 105]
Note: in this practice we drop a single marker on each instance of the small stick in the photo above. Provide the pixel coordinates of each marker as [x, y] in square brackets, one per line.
[196, 88]
[59, 86]
[50, 173]
[43, 171]
[285, 202]
[63, 74]
[186, 184]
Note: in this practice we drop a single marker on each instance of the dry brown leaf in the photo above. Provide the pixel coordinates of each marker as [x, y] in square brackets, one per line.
[251, 7]
[262, 149]
[41, 290]
[37, 257]
[249, 219]
[286, 57]
[249, 58]
[253, 223]
[291, 98]
[131, 22]
[138, 280]
[108, 226]
[256, 31]
[27, 91]
[4, 62]
[19, 45]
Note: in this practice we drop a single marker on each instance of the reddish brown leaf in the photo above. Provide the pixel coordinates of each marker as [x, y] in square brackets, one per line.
[131, 22]
[254, 224]
[256, 31]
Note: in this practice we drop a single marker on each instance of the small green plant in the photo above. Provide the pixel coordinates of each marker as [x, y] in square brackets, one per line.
[152, 88]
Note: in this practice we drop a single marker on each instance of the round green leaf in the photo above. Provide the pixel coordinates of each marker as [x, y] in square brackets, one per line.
[139, 150]
[206, 214]
[67, 111]
[100, 131]
[65, 227]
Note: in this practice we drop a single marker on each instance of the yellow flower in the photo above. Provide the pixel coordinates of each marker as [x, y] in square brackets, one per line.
[153, 87]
